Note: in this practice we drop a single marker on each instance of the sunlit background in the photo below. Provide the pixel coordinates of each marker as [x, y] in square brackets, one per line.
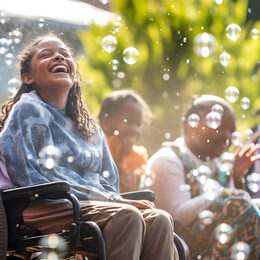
[166, 50]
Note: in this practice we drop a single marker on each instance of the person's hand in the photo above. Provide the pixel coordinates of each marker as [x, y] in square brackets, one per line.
[140, 204]
[244, 158]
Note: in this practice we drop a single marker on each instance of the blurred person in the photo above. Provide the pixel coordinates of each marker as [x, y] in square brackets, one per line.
[203, 193]
[122, 116]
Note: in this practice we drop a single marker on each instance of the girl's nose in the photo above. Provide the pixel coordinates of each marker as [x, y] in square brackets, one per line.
[59, 56]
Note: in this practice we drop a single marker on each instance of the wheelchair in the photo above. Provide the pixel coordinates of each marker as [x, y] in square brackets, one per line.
[19, 242]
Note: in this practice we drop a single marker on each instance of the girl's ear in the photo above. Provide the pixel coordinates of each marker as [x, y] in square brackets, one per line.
[27, 78]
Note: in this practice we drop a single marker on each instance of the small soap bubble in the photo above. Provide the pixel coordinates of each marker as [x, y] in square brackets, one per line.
[255, 33]
[213, 119]
[120, 75]
[109, 43]
[2, 17]
[204, 44]
[245, 103]
[253, 182]
[167, 135]
[49, 156]
[106, 174]
[166, 76]
[115, 64]
[218, 109]
[116, 132]
[223, 232]
[130, 55]
[9, 59]
[206, 217]
[232, 94]
[70, 159]
[218, 2]
[187, 61]
[233, 31]
[224, 59]
[4, 45]
[236, 138]
[193, 120]
[240, 251]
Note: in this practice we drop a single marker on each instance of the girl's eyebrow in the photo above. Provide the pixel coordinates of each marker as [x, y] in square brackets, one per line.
[48, 49]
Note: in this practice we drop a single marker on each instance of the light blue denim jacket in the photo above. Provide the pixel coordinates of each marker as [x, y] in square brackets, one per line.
[86, 164]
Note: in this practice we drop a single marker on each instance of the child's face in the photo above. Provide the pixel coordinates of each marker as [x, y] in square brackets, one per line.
[209, 142]
[52, 67]
[127, 124]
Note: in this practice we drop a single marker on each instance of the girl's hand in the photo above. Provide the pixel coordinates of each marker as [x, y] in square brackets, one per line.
[244, 158]
[140, 204]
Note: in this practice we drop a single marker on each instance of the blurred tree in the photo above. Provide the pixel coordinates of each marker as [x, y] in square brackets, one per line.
[185, 48]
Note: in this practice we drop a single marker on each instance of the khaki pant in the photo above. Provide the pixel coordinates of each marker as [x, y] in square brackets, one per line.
[129, 233]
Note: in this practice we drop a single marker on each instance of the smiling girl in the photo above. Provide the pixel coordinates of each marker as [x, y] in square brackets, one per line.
[48, 111]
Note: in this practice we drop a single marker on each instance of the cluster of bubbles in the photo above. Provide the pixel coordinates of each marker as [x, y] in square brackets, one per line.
[147, 179]
[253, 182]
[53, 247]
[49, 156]
[130, 54]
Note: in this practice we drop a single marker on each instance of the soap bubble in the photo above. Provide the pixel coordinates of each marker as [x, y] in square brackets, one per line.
[240, 251]
[9, 58]
[245, 103]
[218, 108]
[4, 45]
[49, 156]
[204, 44]
[249, 133]
[255, 33]
[166, 76]
[223, 232]
[253, 182]
[233, 31]
[226, 161]
[105, 174]
[224, 59]
[116, 132]
[147, 178]
[232, 94]
[16, 36]
[130, 55]
[218, 2]
[213, 119]
[13, 85]
[115, 64]
[236, 138]
[193, 120]
[206, 217]
[109, 43]
[41, 22]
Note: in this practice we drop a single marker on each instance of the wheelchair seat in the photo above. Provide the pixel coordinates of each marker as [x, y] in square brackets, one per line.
[24, 242]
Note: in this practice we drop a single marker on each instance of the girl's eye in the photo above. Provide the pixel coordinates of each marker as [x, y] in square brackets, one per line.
[45, 55]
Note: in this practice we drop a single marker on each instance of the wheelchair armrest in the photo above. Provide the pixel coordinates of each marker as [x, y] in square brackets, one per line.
[41, 191]
[139, 195]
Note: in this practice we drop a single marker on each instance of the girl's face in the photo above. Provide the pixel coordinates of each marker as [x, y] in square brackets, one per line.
[127, 124]
[52, 67]
[208, 142]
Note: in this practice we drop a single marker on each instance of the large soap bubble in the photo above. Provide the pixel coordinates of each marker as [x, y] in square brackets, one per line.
[109, 43]
[130, 55]
[233, 31]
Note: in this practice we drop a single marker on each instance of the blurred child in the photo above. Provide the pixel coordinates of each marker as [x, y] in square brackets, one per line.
[122, 116]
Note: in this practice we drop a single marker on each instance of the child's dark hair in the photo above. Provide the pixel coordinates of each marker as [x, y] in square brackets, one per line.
[75, 107]
[113, 103]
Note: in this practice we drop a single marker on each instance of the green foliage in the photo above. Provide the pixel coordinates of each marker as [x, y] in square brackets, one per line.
[168, 71]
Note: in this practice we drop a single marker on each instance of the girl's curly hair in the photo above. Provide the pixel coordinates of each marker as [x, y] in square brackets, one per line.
[75, 107]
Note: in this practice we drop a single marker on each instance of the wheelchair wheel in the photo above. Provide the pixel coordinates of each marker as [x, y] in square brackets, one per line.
[3, 231]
